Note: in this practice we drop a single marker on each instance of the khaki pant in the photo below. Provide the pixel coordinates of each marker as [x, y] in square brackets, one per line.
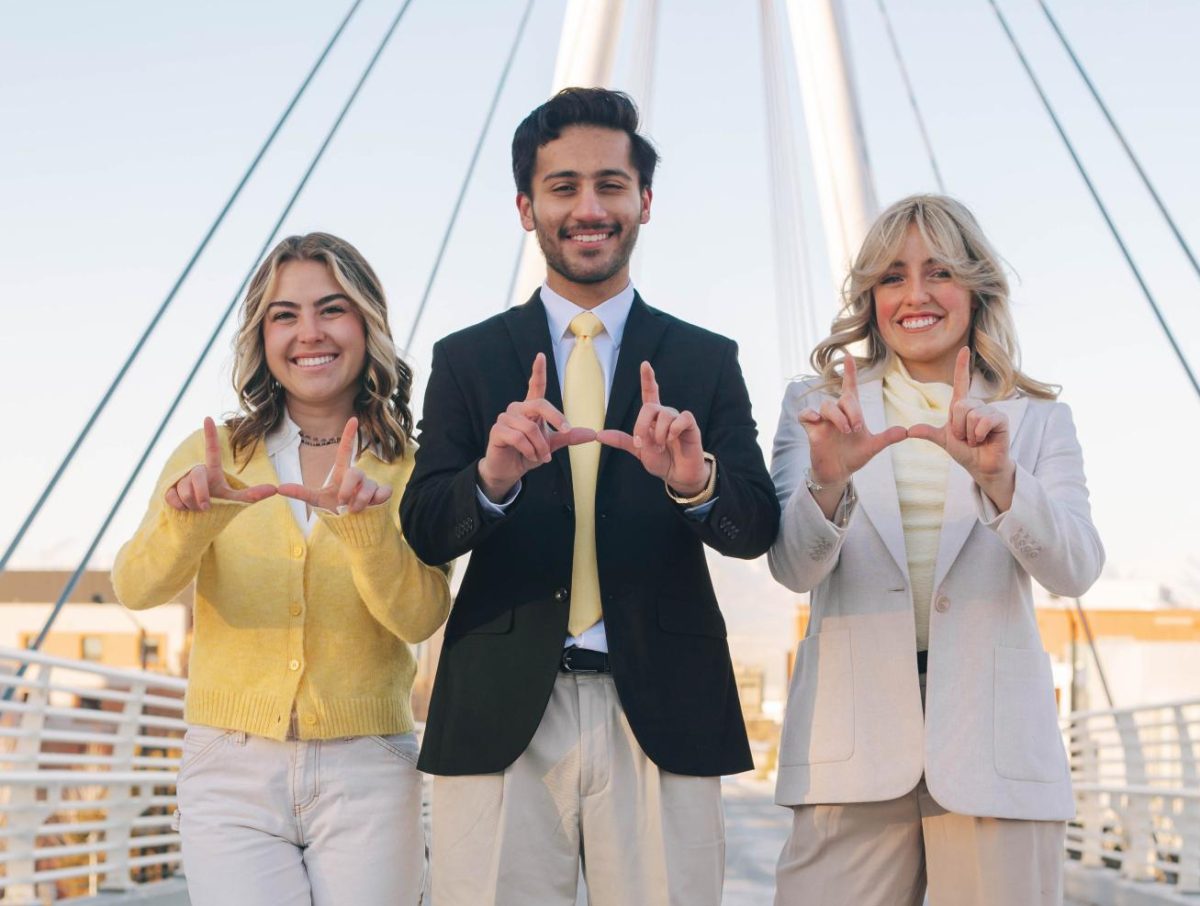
[887, 853]
[583, 792]
[320, 823]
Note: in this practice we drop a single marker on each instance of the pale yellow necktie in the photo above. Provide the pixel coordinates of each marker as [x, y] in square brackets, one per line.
[583, 405]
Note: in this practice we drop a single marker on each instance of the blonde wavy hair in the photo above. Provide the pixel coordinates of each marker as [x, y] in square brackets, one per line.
[955, 240]
[384, 417]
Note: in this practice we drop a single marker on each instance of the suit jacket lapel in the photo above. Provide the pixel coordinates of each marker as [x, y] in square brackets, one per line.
[643, 330]
[959, 516]
[530, 332]
[876, 481]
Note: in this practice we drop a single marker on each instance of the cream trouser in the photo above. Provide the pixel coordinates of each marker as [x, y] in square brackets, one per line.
[324, 822]
[886, 853]
[582, 792]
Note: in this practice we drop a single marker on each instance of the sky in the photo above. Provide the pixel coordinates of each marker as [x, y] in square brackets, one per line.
[127, 124]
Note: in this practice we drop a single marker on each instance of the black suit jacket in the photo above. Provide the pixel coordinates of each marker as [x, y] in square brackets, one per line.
[666, 635]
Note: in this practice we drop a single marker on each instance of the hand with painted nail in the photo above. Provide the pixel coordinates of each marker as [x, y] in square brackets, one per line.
[666, 441]
[840, 443]
[196, 490]
[347, 486]
[524, 437]
[976, 437]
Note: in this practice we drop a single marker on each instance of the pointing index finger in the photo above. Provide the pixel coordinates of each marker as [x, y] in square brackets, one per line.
[649, 384]
[345, 450]
[962, 375]
[849, 377]
[212, 446]
[537, 378]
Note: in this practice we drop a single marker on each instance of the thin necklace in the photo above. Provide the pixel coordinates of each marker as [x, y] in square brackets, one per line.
[309, 441]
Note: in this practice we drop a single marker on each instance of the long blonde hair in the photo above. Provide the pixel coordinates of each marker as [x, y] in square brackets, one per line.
[956, 240]
[381, 404]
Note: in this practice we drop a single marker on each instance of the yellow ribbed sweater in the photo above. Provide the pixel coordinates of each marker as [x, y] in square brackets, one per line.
[320, 627]
[920, 468]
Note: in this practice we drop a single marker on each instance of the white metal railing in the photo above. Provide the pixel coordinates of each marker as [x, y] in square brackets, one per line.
[1137, 790]
[88, 756]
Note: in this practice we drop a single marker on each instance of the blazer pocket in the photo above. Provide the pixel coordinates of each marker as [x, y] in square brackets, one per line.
[819, 726]
[1028, 745]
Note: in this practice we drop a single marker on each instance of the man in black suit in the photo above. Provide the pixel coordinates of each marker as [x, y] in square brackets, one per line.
[585, 704]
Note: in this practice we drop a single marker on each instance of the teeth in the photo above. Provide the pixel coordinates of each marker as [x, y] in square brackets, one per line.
[917, 323]
[314, 361]
[591, 237]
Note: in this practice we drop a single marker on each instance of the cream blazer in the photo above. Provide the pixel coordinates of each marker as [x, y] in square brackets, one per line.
[988, 742]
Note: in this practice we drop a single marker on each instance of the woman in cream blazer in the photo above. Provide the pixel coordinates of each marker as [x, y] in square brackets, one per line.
[921, 743]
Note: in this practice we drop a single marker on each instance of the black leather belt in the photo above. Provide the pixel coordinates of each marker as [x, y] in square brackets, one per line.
[583, 660]
[922, 661]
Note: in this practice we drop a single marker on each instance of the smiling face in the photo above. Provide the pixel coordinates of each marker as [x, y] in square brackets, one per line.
[923, 314]
[586, 207]
[314, 338]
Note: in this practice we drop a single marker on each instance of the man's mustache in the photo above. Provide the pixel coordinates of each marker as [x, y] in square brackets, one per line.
[614, 228]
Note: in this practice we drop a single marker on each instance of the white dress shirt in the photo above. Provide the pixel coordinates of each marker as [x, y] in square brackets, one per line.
[283, 449]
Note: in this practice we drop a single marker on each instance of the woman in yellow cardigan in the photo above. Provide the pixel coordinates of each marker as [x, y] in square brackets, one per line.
[298, 783]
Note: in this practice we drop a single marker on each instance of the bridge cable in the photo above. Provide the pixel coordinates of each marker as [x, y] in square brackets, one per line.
[1187, 250]
[462, 192]
[79, 570]
[166, 303]
[912, 97]
[1137, 274]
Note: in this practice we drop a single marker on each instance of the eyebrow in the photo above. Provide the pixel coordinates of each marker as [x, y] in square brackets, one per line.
[599, 174]
[284, 303]
[925, 263]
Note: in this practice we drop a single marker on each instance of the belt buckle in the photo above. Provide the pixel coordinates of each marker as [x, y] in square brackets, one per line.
[567, 666]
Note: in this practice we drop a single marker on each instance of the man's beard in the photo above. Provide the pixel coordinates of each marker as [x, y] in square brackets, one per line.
[556, 260]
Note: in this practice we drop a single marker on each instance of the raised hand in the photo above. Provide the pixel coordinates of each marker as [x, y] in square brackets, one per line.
[521, 438]
[665, 440]
[347, 486]
[203, 484]
[976, 437]
[839, 441]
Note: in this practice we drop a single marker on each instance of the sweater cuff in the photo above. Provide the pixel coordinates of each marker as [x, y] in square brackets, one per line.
[209, 522]
[364, 529]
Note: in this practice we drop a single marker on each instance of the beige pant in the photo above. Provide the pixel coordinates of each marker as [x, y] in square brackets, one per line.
[583, 791]
[886, 853]
[329, 822]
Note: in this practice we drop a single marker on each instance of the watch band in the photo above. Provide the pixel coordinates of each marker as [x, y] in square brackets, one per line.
[705, 495]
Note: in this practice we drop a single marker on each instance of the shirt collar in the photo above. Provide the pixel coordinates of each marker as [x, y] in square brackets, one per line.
[613, 313]
[284, 435]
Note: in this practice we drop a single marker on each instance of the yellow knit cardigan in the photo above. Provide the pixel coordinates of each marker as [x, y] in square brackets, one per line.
[321, 627]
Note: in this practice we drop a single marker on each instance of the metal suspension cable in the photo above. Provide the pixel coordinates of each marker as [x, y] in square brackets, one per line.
[212, 339]
[1112, 228]
[166, 303]
[912, 96]
[462, 192]
[1183, 244]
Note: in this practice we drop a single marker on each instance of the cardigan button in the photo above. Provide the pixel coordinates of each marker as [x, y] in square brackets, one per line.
[942, 604]
[293, 664]
[298, 551]
[310, 719]
[560, 595]
[295, 610]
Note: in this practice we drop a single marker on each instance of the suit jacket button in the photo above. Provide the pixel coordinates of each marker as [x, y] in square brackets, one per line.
[560, 595]
[942, 604]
